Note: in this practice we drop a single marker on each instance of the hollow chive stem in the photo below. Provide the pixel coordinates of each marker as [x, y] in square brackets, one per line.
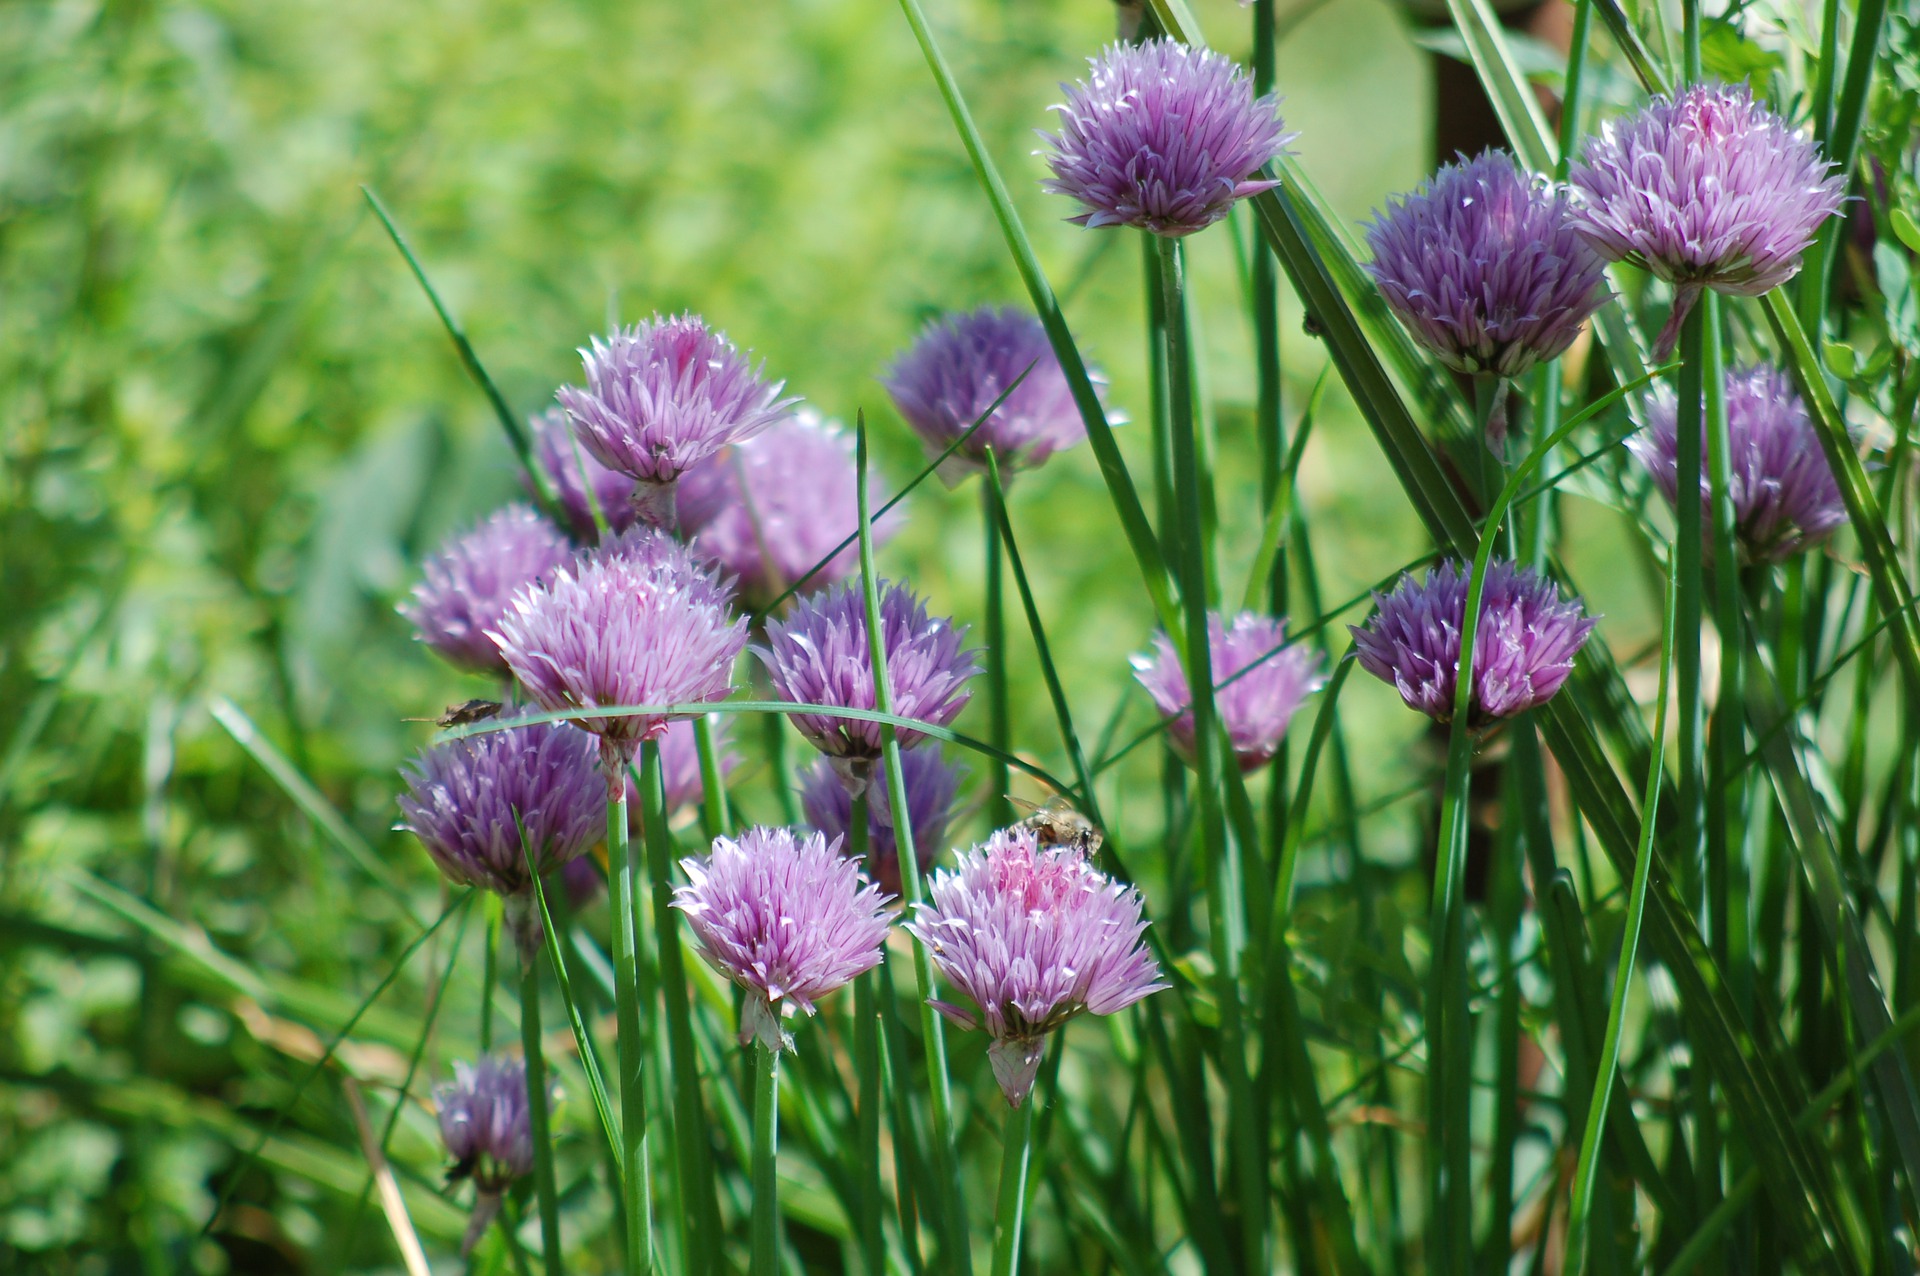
[1010, 1214]
[625, 893]
[866, 1067]
[995, 625]
[766, 1142]
[545, 1187]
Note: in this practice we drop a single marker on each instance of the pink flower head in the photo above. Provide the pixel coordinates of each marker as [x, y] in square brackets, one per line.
[1784, 495]
[636, 622]
[788, 919]
[486, 1123]
[1032, 937]
[932, 783]
[1523, 649]
[961, 364]
[1483, 267]
[1162, 136]
[470, 579]
[820, 655]
[661, 397]
[1706, 189]
[769, 509]
[1259, 684]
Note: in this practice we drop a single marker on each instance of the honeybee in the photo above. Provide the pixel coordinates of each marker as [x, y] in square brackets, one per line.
[462, 715]
[1058, 824]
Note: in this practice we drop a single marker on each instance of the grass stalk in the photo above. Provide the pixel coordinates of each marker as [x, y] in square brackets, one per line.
[995, 626]
[766, 1142]
[866, 1068]
[623, 888]
[1009, 1216]
[546, 1190]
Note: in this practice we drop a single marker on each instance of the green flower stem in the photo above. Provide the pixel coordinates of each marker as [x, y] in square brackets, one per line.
[543, 1181]
[1689, 540]
[624, 890]
[699, 1205]
[490, 972]
[1010, 1214]
[1223, 876]
[1263, 300]
[1000, 810]
[950, 1214]
[1727, 761]
[766, 1142]
[715, 816]
[866, 1068]
[780, 770]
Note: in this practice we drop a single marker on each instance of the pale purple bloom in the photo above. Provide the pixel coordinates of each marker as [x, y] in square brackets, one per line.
[769, 509]
[1484, 268]
[932, 783]
[1032, 936]
[1523, 649]
[1706, 189]
[468, 801]
[1162, 136]
[1259, 683]
[470, 579]
[788, 919]
[579, 480]
[486, 1123]
[661, 397]
[636, 622]
[1784, 495]
[820, 655]
[961, 364]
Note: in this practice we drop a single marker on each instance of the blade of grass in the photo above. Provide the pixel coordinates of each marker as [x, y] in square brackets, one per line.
[582, 1039]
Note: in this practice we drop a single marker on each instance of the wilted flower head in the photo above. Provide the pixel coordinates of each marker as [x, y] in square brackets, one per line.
[1032, 936]
[1706, 189]
[487, 1125]
[768, 509]
[1484, 268]
[1255, 701]
[788, 919]
[961, 364]
[471, 578]
[636, 622]
[661, 397]
[579, 480]
[468, 801]
[1162, 136]
[1784, 495]
[820, 655]
[1522, 651]
[932, 782]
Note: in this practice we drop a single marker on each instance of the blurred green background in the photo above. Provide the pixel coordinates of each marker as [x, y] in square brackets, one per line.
[230, 426]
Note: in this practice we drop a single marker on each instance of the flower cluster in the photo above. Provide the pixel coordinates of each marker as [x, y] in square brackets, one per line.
[963, 364]
[1785, 498]
[932, 783]
[787, 918]
[1259, 684]
[1483, 266]
[1032, 936]
[582, 484]
[470, 580]
[1523, 648]
[1162, 136]
[486, 1123]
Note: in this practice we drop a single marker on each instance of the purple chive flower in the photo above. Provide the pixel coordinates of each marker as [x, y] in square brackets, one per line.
[1523, 649]
[487, 1124]
[1032, 936]
[636, 622]
[788, 919]
[961, 364]
[663, 396]
[471, 578]
[1784, 495]
[1162, 136]
[580, 481]
[932, 783]
[1706, 189]
[1256, 705]
[468, 801]
[768, 509]
[820, 655]
[1484, 268]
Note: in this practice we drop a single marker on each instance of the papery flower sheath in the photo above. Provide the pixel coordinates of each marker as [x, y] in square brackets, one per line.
[1162, 136]
[787, 918]
[1523, 649]
[1031, 937]
[469, 581]
[1259, 683]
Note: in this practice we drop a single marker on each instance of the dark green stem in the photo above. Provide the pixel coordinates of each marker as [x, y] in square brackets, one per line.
[1010, 1214]
[543, 1181]
[624, 889]
[866, 1067]
[998, 732]
[766, 1142]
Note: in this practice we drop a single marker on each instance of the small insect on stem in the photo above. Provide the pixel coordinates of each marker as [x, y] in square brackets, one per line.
[463, 715]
